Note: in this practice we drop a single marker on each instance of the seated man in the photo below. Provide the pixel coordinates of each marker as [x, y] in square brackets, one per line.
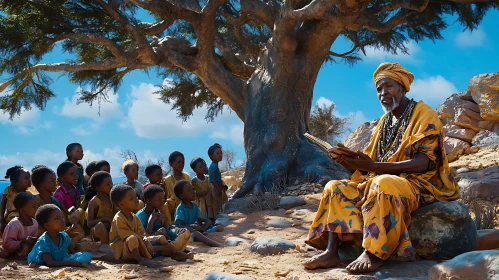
[403, 168]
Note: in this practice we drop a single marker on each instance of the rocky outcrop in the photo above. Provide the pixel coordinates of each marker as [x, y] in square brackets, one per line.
[485, 92]
[271, 245]
[486, 138]
[359, 138]
[481, 184]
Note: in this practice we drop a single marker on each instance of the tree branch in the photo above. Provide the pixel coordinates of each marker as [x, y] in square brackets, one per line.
[314, 10]
[94, 39]
[260, 10]
[108, 64]
[205, 29]
[373, 24]
[233, 63]
[342, 55]
[237, 23]
[408, 5]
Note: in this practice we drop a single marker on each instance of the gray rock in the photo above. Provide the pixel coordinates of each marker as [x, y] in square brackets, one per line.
[486, 138]
[442, 230]
[463, 170]
[482, 184]
[457, 132]
[278, 223]
[235, 241]
[454, 148]
[225, 276]
[271, 245]
[488, 239]
[439, 231]
[236, 205]
[288, 202]
[405, 270]
[476, 265]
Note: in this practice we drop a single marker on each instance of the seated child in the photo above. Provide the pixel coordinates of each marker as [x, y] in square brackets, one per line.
[20, 234]
[44, 181]
[201, 184]
[154, 173]
[69, 200]
[128, 241]
[20, 181]
[188, 215]
[218, 187]
[177, 162]
[51, 249]
[100, 165]
[131, 170]
[100, 211]
[155, 218]
[89, 171]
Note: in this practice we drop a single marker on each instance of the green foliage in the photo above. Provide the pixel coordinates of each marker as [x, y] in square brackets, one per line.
[31, 29]
[324, 125]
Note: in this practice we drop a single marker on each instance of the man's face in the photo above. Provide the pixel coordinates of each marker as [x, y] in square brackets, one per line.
[390, 93]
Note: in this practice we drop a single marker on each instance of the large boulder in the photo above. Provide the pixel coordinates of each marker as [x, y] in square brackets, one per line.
[460, 112]
[359, 138]
[486, 138]
[485, 92]
[460, 133]
[476, 265]
[489, 125]
[271, 245]
[455, 147]
[439, 231]
[481, 184]
[442, 230]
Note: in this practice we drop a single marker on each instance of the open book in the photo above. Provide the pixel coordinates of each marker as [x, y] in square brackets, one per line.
[334, 151]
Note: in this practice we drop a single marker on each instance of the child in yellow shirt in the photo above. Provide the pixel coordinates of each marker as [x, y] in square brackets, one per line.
[204, 198]
[100, 210]
[177, 162]
[20, 181]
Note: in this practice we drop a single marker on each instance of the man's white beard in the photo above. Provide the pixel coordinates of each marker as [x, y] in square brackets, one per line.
[394, 105]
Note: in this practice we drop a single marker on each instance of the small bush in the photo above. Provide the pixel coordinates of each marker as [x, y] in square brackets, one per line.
[485, 214]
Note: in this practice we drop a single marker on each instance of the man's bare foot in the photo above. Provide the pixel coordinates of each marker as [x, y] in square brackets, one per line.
[366, 262]
[323, 260]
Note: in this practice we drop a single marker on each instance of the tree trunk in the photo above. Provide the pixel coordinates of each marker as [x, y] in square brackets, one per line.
[279, 98]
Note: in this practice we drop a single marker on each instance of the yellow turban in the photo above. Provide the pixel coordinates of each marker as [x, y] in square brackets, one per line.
[396, 72]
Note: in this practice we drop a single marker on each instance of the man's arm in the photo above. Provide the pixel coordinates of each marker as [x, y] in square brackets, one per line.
[418, 164]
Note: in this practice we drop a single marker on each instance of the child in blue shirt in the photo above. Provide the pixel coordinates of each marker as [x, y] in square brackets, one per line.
[154, 218]
[51, 249]
[188, 215]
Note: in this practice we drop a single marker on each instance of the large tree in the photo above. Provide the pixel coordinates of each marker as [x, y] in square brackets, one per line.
[259, 57]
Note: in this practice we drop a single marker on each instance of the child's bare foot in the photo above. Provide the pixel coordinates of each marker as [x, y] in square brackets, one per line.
[366, 262]
[323, 260]
[180, 256]
[146, 262]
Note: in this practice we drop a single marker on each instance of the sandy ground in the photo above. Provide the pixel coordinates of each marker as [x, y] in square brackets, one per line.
[236, 260]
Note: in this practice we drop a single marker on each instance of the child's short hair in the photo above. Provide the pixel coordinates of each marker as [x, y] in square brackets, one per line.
[118, 192]
[64, 167]
[127, 164]
[213, 148]
[151, 191]
[97, 179]
[39, 173]
[14, 172]
[195, 161]
[150, 169]
[70, 147]
[173, 156]
[21, 199]
[43, 213]
[178, 189]
[101, 163]
[90, 169]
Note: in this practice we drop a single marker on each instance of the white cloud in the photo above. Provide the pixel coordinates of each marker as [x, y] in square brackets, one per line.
[322, 101]
[433, 90]
[85, 129]
[108, 110]
[475, 38]
[26, 123]
[152, 118]
[379, 55]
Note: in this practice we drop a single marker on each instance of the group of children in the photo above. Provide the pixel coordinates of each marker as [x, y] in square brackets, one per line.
[43, 217]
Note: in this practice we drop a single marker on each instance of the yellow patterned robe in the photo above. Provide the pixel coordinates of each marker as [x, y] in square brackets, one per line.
[378, 206]
[203, 201]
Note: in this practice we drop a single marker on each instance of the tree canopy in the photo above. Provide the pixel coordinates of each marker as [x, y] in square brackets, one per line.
[207, 48]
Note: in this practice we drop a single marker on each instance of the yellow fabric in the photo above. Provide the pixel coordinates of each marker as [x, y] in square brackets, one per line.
[180, 243]
[173, 201]
[396, 72]
[379, 206]
[166, 211]
[103, 211]
[204, 202]
[121, 229]
[218, 201]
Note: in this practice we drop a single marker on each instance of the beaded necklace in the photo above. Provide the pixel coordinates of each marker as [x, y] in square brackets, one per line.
[391, 133]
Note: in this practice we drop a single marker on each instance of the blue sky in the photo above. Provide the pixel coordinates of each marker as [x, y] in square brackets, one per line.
[135, 119]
